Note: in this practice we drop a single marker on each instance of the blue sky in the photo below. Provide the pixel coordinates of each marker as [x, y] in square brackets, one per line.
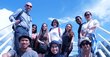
[63, 10]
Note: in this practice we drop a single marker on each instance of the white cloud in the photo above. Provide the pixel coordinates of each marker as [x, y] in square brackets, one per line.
[63, 20]
[102, 10]
[4, 17]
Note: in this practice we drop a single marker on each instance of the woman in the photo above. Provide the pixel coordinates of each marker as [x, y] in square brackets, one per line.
[34, 36]
[43, 40]
[55, 32]
[54, 50]
[67, 38]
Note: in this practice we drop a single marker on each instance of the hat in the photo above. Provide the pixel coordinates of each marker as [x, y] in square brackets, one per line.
[84, 39]
[24, 36]
[54, 42]
[29, 3]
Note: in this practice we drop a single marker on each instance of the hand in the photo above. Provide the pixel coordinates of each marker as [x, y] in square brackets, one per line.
[17, 22]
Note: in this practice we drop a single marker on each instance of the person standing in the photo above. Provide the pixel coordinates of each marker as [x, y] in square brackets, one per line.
[78, 20]
[89, 29]
[23, 23]
[55, 32]
[24, 50]
[34, 36]
[43, 40]
[67, 40]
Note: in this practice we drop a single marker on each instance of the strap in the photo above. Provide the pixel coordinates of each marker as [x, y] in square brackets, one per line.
[19, 15]
[59, 31]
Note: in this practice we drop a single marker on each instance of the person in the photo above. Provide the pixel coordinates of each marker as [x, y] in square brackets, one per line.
[78, 20]
[54, 50]
[34, 36]
[89, 28]
[23, 23]
[55, 32]
[24, 50]
[43, 40]
[85, 45]
[67, 39]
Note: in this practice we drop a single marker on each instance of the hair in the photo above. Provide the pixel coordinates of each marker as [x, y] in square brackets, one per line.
[77, 17]
[42, 32]
[36, 27]
[71, 32]
[55, 20]
[87, 12]
[24, 36]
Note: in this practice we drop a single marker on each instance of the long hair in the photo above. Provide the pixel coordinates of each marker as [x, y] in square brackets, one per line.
[42, 32]
[71, 33]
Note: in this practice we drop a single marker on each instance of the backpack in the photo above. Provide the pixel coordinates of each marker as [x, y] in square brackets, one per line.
[14, 26]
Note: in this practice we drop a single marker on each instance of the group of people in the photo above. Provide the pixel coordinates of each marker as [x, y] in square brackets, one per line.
[87, 46]
[53, 42]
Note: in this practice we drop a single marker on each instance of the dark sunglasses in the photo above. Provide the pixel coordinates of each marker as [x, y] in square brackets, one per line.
[29, 6]
[85, 43]
[87, 14]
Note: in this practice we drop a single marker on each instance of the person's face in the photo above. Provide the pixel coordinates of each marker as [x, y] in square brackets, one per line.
[78, 21]
[33, 29]
[54, 48]
[68, 27]
[88, 16]
[86, 46]
[44, 27]
[55, 24]
[24, 43]
[28, 7]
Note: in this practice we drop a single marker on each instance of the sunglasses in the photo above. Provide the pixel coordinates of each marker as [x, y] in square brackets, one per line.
[87, 14]
[29, 6]
[85, 43]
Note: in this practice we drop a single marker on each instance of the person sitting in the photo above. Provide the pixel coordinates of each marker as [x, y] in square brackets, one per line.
[54, 50]
[24, 50]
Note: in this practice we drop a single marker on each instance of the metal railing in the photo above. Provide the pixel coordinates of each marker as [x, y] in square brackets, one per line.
[6, 39]
[102, 49]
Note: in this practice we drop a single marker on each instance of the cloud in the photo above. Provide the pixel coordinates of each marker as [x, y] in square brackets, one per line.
[63, 20]
[102, 10]
[4, 17]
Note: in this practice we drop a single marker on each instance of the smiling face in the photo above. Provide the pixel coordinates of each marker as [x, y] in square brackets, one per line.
[44, 27]
[86, 46]
[54, 48]
[24, 43]
[68, 27]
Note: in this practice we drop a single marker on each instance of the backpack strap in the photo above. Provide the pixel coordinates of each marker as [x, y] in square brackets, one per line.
[19, 15]
[59, 32]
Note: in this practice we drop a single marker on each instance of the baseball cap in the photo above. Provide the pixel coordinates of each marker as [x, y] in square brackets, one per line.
[84, 39]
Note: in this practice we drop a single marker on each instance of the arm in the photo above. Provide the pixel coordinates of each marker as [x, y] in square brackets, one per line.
[6, 55]
[14, 15]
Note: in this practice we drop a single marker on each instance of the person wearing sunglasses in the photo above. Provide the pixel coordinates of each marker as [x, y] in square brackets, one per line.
[85, 45]
[22, 23]
[88, 29]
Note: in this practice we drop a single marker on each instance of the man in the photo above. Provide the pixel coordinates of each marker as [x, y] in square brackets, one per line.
[85, 45]
[24, 50]
[23, 23]
[89, 29]
[78, 20]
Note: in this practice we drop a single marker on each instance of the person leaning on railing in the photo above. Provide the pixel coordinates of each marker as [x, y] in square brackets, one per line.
[23, 23]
